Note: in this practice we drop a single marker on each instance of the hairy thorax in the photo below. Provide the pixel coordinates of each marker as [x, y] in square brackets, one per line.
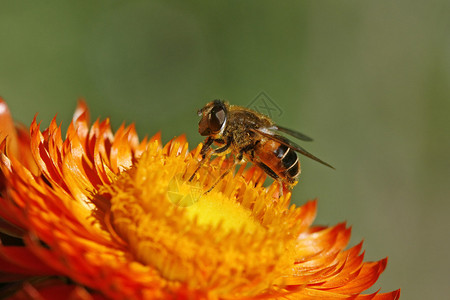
[240, 125]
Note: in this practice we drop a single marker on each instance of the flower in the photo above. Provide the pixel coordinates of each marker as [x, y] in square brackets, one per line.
[102, 215]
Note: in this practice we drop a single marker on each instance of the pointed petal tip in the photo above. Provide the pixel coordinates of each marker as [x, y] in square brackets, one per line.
[81, 102]
[182, 138]
[8, 130]
[3, 145]
[157, 136]
[81, 111]
[35, 118]
[3, 106]
[394, 295]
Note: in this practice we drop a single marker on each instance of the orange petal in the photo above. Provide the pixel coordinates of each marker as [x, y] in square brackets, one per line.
[19, 260]
[7, 128]
[81, 120]
[366, 278]
[54, 290]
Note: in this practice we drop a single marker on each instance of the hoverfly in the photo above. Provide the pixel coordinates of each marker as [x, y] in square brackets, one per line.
[251, 136]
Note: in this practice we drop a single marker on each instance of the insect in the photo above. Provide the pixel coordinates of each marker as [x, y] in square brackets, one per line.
[251, 136]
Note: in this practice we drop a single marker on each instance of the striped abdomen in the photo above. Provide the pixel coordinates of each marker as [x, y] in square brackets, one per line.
[278, 158]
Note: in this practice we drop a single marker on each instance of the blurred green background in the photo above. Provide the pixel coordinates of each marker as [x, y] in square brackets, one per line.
[369, 80]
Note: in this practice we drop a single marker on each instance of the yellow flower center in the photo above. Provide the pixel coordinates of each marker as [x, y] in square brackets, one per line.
[214, 209]
[218, 241]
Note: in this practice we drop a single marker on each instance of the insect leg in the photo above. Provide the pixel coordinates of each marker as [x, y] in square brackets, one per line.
[220, 178]
[224, 148]
[280, 187]
[271, 173]
[205, 149]
[237, 160]
[268, 170]
[206, 146]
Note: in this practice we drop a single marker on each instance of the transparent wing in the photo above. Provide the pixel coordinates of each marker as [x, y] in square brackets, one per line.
[291, 132]
[291, 145]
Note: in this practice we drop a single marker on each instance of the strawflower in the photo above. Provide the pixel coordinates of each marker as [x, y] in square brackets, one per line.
[101, 215]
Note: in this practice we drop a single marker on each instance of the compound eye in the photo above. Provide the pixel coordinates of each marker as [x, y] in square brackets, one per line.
[217, 117]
